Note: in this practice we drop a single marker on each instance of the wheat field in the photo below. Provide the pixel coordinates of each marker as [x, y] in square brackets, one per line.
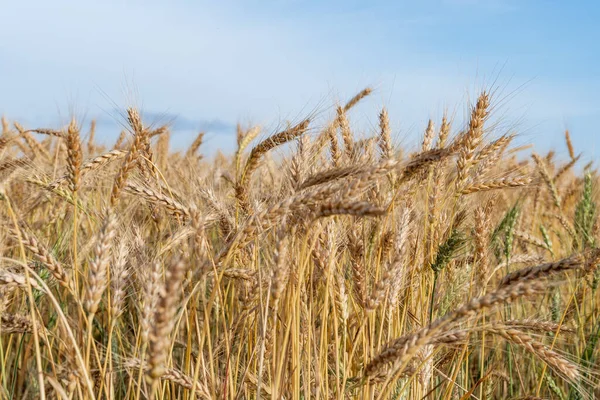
[344, 267]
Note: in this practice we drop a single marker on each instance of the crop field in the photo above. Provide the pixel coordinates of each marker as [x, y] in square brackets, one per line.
[315, 262]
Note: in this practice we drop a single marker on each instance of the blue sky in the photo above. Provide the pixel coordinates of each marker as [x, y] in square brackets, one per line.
[209, 64]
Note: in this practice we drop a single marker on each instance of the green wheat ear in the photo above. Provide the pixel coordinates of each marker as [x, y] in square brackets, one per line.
[553, 386]
[547, 240]
[445, 253]
[447, 250]
[503, 235]
[585, 214]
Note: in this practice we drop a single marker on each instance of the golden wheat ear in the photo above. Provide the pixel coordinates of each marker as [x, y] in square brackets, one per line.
[346, 268]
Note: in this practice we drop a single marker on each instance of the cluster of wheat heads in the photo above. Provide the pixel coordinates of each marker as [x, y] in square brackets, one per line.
[346, 269]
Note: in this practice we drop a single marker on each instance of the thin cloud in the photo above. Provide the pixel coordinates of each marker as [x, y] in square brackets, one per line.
[174, 121]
